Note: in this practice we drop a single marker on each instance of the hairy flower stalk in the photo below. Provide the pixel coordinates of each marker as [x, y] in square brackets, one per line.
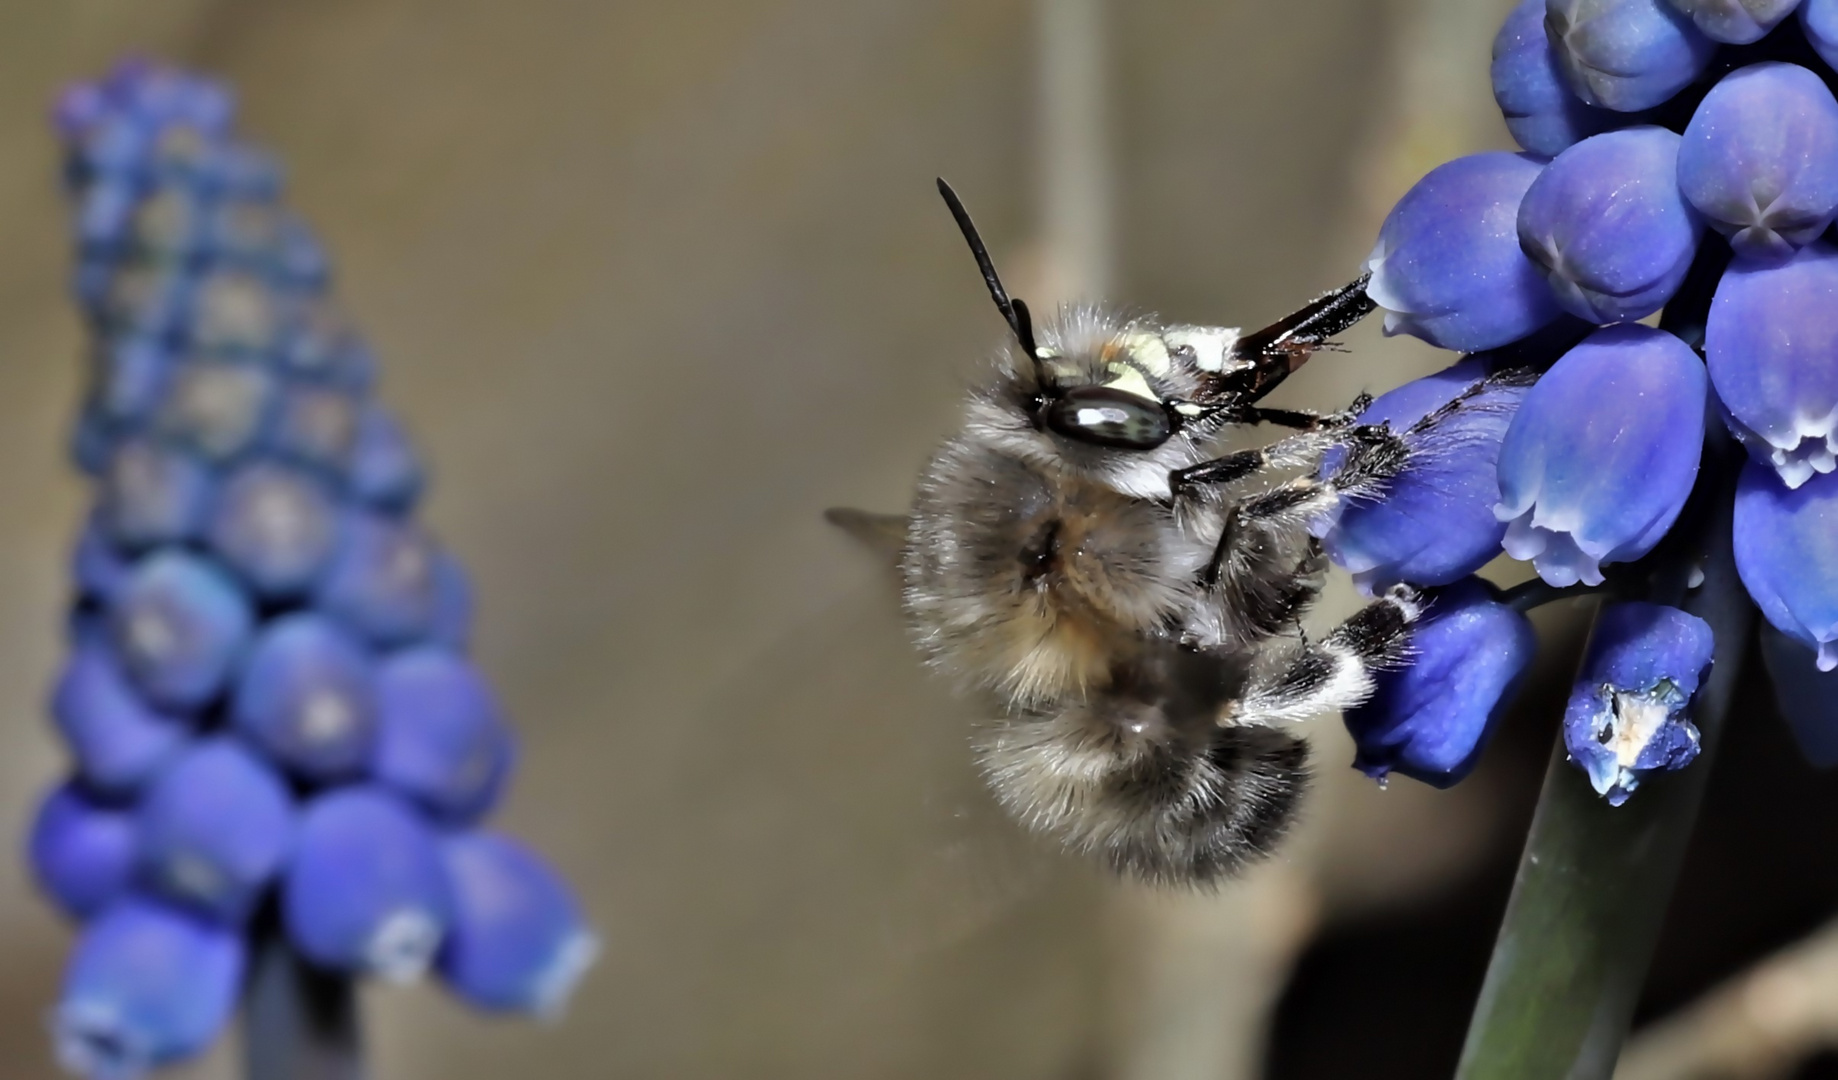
[282, 752]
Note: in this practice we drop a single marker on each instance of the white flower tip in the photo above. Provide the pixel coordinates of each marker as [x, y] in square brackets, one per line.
[1828, 655]
[557, 982]
[402, 948]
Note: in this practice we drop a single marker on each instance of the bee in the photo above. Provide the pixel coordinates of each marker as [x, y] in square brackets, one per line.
[1082, 555]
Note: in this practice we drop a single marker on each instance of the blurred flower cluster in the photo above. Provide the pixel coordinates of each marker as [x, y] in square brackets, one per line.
[1680, 161]
[274, 723]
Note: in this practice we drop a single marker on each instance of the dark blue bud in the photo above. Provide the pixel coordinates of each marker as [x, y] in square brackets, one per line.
[1736, 22]
[104, 214]
[321, 347]
[366, 891]
[180, 625]
[1760, 159]
[317, 425]
[215, 829]
[1629, 712]
[153, 494]
[1626, 55]
[384, 469]
[519, 941]
[441, 740]
[1447, 267]
[1769, 344]
[383, 581]
[114, 148]
[276, 526]
[215, 407]
[1435, 523]
[1787, 554]
[130, 378]
[1806, 696]
[1528, 84]
[118, 740]
[1608, 226]
[300, 262]
[1602, 454]
[1431, 718]
[98, 566]
[82, 851]
[243, 232]
[147, 986]
[307, 698]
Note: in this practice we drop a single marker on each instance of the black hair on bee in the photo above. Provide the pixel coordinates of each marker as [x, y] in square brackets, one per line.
[1127, 598]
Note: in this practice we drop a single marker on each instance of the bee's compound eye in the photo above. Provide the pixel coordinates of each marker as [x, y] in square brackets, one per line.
[1105, 417]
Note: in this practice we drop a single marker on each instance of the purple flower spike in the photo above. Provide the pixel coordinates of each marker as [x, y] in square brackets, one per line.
[215, 829]
[118, 740]
[1628, 713]
[1528, 85]
[1608, 226]
[519, 942]
[180, 625]
[366, 892]
[1431, 719]
[1760, 159]
[1769, 344]
[307, 698]
[153, 494]
[1736, 22]
[1787, 554]
[1435, 524]
[1626, 55]
[1806, 696]
[1819, 18]
[1447, 267]
[276, 526]
[441, 740]
[1602, 454]
[147, 986]
[82, 851]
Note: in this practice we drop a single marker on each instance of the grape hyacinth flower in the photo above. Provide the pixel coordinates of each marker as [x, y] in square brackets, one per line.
[1528, 85]
[279, 740]
[1786, 547]
[1736, 22]
[1628, 714]
[1626, 55]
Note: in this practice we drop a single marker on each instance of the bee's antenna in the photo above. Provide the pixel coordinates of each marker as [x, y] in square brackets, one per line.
[1014, 311]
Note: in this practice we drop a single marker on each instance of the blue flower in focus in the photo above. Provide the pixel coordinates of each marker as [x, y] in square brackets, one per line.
[1770, 344]
[1760, 159]
[1528, 85]
[1607, 225]
[250, 565]
[1787, 554]
[1431, 718]
[1819, 18]
[1736, 22]
[1628, 715]
[1626, 55]
[1447, 267]
[1602, 454]
[1435, 524]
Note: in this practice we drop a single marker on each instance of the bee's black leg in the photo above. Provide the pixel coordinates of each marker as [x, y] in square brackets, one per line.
[1336, 672]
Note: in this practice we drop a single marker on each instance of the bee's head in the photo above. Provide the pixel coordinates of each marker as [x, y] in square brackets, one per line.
[1105, 399]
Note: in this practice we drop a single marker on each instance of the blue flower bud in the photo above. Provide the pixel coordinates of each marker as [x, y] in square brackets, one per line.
[440, 740]
[1769, 343]
[307, 698]
[215, 829]
[1626, 55]
[1760, 159]
[366, 891]
[1787, 555]
[384, 470]
[1607, 225]
[518, 941]
[92, 440]
[452, 627]
[1806, 696]
[1528, 84]
[1736, 22]
[1602, 454]
[1435, 523]
[131, 376]
[1627, 715]
[99, 567]
[242, 232]
[149, 299]
[153, 494]
[317, 425]
[119, 742]
[180, 624]
[82, 851]
[218, 409]
[382, 581]
[1819, 18]
[234, 313]
[170, 224]
[105, 211]
[1431, 719]
[1447, 267]
[276, 526]
[147, 986]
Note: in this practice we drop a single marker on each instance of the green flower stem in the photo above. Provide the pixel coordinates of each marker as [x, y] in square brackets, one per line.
[299, 1023]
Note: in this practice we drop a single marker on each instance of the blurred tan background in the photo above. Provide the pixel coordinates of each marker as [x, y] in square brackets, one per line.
[654, 283]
